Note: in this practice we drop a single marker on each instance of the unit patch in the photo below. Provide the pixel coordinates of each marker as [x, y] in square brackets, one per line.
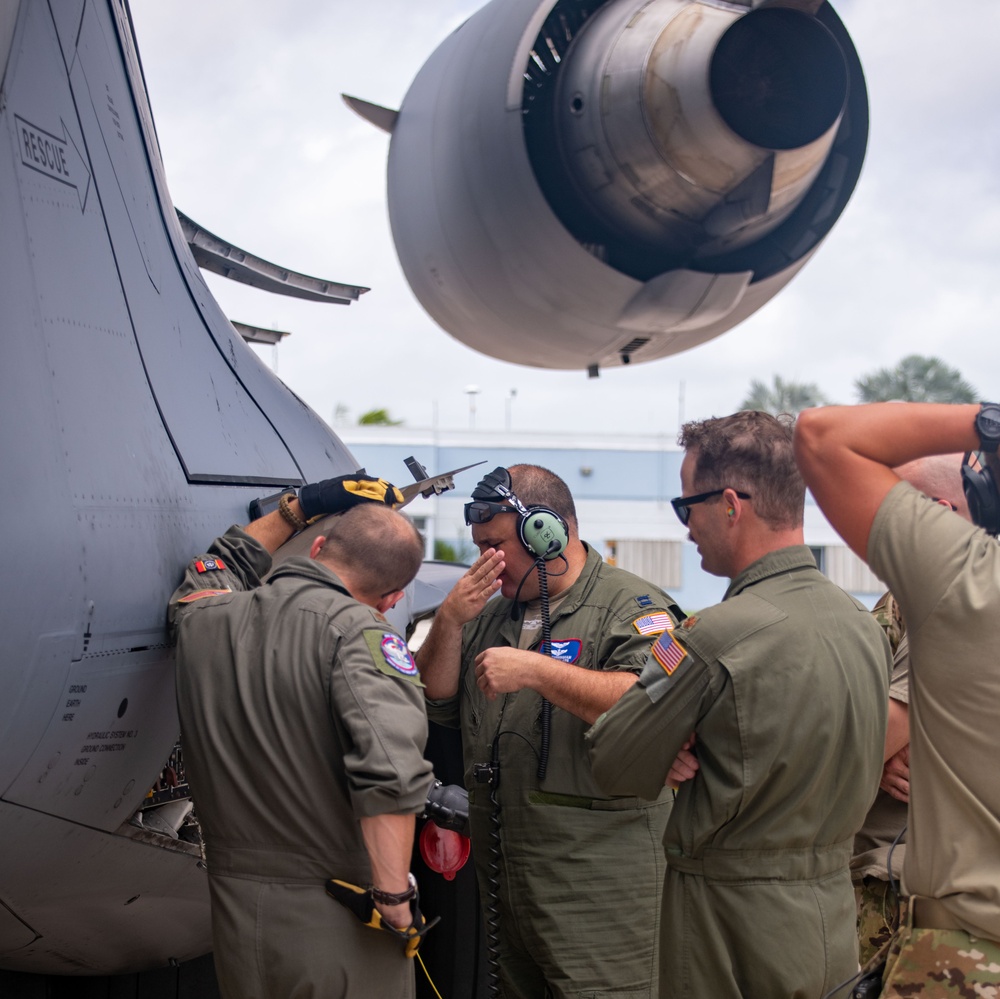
[668, 652]
[200, 594]
[566, 650]
[653, 624]
[391, 656]
[210, 565]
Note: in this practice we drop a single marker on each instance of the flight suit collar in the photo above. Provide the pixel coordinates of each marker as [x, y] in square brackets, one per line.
[772, 564]
[308, 568]
[571, 601]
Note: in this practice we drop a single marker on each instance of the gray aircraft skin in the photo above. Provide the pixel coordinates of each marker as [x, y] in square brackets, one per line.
[137, 424]
[578, 183]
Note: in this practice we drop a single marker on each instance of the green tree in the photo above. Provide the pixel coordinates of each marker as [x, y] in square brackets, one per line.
[783, 397]
[916, 379]
[378, 418]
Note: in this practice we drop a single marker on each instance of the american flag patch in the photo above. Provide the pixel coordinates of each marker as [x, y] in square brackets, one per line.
[668, 652]
[653, 624]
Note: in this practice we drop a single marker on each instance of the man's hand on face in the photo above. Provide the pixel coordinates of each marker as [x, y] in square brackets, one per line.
[469, 595]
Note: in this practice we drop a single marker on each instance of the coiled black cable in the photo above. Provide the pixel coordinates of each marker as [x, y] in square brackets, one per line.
[546, 650]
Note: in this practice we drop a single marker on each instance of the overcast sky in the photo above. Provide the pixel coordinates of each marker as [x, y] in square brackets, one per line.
[260, 150]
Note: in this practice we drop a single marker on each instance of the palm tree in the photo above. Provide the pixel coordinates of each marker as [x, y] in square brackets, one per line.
[916, 379]
[783, 397]
[378, 418]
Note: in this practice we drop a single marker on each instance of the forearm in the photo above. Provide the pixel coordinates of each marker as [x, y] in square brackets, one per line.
[272, 530]
[886, 433]
[585, 693]
[389, 842]
[897, 732]
[847, 454]
[439, 658]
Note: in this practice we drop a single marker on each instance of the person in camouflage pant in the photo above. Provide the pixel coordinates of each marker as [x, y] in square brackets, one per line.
[875, 891]
[931, 963]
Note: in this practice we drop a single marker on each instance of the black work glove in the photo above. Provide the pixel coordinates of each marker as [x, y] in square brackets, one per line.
[361, 903]
[448, 807]
[318, 499]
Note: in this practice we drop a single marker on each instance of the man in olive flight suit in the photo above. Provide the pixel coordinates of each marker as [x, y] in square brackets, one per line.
[304, 726]
[575, 885]
[784, 685]
[945, 573]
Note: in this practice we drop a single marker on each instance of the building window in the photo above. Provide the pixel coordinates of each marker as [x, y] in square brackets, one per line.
[657, 561]
[848, 571]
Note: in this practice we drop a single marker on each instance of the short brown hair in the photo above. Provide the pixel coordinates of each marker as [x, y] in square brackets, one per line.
[379, 547]
[537, 486]
[752, 452]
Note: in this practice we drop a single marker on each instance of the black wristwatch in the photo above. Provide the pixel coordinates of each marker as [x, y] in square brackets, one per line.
[988, 426]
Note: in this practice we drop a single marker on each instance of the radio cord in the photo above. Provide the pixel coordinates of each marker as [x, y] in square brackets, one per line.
[546, 650]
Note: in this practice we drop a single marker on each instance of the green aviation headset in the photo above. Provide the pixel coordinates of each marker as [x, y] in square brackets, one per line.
[543, 532]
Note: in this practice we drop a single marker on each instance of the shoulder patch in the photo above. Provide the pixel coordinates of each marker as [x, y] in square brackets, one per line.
[645, 600]
[668, 652]
[391, 655]
[668, 661]
[201, 594]
[653, 624]
[210, 565]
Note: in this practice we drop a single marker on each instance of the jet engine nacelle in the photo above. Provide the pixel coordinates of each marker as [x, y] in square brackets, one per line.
[575, 185]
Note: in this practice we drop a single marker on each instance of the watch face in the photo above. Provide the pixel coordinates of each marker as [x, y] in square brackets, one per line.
[988, 424]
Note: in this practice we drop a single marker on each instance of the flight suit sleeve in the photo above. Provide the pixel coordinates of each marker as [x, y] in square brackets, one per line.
[629, 633]
[378, 704]
[234, 562]
[633, 745]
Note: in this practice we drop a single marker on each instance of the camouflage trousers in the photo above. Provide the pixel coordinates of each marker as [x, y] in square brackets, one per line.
[940, 963]
[878, 915]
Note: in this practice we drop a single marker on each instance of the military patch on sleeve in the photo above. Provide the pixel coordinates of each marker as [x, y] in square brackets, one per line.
[391, 656]
[645, 600]
[201, 594]
[210, 565]
[653, 624]
[668, 661]
[668, 652]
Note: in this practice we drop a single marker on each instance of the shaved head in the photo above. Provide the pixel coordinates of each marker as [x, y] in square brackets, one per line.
[938, 476]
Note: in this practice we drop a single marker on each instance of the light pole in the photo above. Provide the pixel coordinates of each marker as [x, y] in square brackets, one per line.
[472, 391]
[507, 407]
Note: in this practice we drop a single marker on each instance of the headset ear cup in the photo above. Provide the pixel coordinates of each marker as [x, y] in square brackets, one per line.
[543, 533]
[982, 497]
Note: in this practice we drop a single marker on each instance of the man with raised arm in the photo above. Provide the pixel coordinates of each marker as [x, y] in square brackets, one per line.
[945, 573]
[569, 876]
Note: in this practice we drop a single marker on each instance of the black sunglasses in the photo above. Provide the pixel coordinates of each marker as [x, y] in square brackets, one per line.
[483, 511]
[682, 504]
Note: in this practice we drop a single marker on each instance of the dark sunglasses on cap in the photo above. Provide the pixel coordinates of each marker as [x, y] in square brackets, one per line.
[682, 504]
[483, 511]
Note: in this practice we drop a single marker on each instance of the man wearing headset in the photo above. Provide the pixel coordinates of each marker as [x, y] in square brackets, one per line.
[570, 888]
[945, 573]
[785, 685]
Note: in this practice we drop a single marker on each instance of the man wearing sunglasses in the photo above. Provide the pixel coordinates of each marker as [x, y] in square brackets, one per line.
[779, 693]
[573, 895]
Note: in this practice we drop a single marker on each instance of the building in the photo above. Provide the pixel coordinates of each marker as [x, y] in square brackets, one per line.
[622, 486]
